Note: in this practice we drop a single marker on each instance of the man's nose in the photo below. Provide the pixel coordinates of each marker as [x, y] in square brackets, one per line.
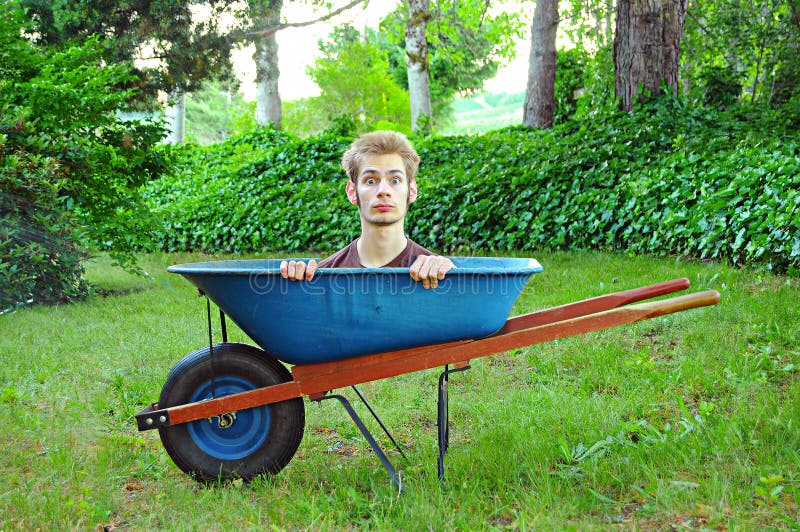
[384, 187]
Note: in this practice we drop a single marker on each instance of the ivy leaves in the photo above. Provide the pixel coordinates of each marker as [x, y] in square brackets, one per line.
[667, 179]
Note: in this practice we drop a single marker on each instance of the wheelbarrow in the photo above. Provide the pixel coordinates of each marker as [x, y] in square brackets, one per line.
[231, 410]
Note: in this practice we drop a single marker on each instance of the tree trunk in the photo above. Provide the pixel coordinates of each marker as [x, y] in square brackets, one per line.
[794, 5]
[647, 47]
[176, 117]
[540, 94]
[268, 98]
[417, 64]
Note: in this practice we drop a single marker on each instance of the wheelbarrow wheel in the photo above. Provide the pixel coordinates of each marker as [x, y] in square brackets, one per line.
[245, 444]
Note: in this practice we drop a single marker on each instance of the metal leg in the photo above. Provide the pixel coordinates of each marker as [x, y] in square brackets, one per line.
[385, 430]
[223, 326]
[211, 349]
[443, 416]
[370, 439]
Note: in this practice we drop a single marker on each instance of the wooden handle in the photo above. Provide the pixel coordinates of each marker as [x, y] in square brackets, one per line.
[678, 304]
[592, 305]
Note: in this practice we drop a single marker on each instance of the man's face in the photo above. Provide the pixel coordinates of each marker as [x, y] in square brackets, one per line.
[382, 191]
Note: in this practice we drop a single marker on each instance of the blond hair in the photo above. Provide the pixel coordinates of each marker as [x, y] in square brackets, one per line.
[380, 143]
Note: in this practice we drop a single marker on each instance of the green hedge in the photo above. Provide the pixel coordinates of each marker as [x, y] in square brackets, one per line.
[667, 179]
[262, 191]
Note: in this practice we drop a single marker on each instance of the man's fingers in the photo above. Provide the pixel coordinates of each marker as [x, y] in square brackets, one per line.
[413, 270]
[433, 272]
[311, 268]
[445, 267]
[296, 270]
[417, 268]
[299, 270]
[430, 269]
[424, 272]
[425, 269]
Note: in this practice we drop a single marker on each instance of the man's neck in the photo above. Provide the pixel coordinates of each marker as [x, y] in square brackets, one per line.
[379, 245]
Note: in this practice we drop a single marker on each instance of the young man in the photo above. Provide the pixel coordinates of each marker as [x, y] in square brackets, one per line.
[381, 167]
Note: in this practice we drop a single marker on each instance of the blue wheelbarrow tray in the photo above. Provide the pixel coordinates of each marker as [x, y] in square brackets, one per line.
[348, 312]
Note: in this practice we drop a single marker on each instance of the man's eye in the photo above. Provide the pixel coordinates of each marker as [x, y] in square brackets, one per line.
[369, 181]
[396, 181]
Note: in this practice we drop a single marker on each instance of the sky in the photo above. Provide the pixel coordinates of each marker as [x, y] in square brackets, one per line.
[297, 48]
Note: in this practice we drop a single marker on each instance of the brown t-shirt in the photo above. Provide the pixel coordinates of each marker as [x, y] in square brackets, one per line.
[347, 257]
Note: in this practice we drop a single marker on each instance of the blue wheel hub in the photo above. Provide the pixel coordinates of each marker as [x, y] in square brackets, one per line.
[229, 436]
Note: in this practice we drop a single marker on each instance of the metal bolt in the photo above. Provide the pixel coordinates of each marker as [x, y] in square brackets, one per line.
[148, 421]
[226, 420]
[163, 419]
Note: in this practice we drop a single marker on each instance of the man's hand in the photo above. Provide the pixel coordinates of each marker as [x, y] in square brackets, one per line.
[297, 270]
[430, 269]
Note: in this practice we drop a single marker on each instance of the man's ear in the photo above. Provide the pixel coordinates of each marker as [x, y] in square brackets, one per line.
[352, 194]
[412, 190]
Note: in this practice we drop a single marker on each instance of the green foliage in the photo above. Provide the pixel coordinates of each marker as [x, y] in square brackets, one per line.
[725, 44]
[104, 159]
[188, 50]
[570, 66]
[466, 45]
[301, 117]
[260, 190]
[589, 23]
[71, 167]
[214, 111]
[598, 79]
[667, 180]
[755, 44]
[41, 258]
[721, 87]
[371, 96]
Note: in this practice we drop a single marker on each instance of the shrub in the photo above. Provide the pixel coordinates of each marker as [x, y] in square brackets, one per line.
[570, 66]
[38, 240]
[722, 86]
[71, 169]
[667, 179]
[261, 190]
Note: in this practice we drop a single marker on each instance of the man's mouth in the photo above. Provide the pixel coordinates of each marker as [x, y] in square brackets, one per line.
[383, 207]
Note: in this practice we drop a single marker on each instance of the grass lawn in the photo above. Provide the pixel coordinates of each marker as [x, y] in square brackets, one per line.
[485, 112]
[690, 421]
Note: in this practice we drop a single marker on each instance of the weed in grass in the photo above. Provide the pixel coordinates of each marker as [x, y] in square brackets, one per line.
[769, 489]
[9, 394]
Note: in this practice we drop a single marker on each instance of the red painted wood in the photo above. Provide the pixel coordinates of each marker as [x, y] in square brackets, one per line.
[316, 379]
[512, 340]
[590, 306]
[234, 403]
[301, 372]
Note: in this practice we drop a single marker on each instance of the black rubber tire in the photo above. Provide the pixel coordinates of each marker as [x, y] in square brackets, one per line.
[239, 363]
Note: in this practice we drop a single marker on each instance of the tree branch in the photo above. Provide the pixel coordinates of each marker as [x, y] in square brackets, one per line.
[700, 25]
[274, 29]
